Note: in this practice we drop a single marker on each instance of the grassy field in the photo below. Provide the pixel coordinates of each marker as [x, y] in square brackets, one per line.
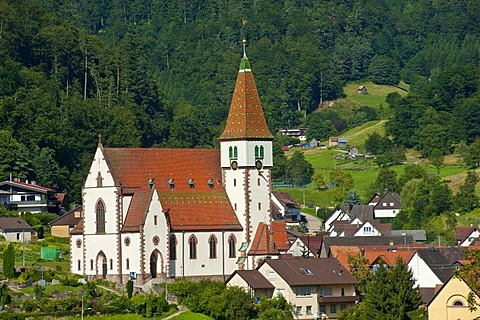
[376, 93]
[189, 315]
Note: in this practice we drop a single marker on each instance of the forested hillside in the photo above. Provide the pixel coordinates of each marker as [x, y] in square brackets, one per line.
[160, 73]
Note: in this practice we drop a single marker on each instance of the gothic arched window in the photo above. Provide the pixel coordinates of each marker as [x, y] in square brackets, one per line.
[212, 244]
[100, 208]
[173, 247]
[231, 246]
[192, 243]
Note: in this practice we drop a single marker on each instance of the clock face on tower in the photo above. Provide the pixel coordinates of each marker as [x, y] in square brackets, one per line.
[234, 165]
[258, 164]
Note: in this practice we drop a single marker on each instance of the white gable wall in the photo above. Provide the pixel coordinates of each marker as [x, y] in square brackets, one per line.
[423, 275]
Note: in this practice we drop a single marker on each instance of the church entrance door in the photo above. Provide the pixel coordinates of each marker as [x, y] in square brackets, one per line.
[102, 265]
[156, 264]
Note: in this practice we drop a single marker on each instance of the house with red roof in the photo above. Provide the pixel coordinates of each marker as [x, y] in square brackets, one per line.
[194, 213]
[28, 196]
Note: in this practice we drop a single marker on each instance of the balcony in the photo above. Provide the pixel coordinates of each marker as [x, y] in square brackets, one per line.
[338, 299]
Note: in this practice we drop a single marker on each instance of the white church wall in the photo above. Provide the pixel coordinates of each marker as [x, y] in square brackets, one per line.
[131, 245]
[76, 254]
[95, 244]
[246, 153]
[259, 197]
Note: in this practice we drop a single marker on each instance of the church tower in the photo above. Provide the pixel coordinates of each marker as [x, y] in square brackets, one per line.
[246, 154]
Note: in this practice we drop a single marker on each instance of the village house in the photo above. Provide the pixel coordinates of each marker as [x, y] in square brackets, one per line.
[64, 224]
[193, 213]
[25, 196]
[15, 229]
[465, 236]
[451, 301]
[318, 288]
[387, 205]
[286, 208]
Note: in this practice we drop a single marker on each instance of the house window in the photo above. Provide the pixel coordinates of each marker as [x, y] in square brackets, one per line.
[78, 243]
[91, 264]
[79, 264]
[258, 182]
[212, 244]
[155, 220]
[192, 243]
[231, 246]
[100, 216]
[235, 206]
[367, 229]
[342, 292]
[308, 309]
[333, 308]
[271, 275]
[234, 182]
[127, 241]
[259, 206]
[322, 308]
[298, 310]
[173, 247]
[262, 152]
[343, 307]
[111, 264]
[327, 292]
[384, 204]
[391, 204]
[156, 240]
[302, 292]
[127, 264]
[458, 303]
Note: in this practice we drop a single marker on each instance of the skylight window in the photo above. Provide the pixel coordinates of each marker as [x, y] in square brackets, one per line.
[308, 271]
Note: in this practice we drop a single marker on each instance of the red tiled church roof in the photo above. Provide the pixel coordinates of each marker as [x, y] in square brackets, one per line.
[201, 204]
[263, 243]
[245, 118]
[280, 235]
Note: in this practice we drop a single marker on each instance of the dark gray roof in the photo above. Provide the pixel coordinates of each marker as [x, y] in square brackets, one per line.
[363, 241]
[68, 219]
[311, 271]
[426, 294]
[437, 262]
[417, 235]
[14, 224]
[254, 279]
[390, 197]
[362, 212]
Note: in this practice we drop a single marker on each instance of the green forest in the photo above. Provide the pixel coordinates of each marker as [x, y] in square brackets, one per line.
[155, 73]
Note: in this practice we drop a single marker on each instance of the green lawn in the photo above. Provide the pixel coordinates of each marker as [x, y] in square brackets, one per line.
[189, 315]
[375, 96]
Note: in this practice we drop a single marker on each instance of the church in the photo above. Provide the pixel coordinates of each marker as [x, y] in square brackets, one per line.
[193, 213]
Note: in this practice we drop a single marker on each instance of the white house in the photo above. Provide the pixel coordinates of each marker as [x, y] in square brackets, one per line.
[151, 213]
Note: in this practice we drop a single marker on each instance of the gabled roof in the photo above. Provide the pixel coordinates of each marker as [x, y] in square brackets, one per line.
[285, 199]
[263, 242]
[14, 224]
[388, 257]
[387, 198]
[197, 201]
[363, 212]
[364, 241]
[245, 118]
[253, 278]
[311, 271]
[461, 233]
[437, 262]
[280, 238]
[313, 243]
[70, 218]
[417, 235]
[25, 186]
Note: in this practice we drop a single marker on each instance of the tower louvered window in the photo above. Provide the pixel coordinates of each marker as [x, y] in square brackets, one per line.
[257, 153]
[262, 152]
[235, 152]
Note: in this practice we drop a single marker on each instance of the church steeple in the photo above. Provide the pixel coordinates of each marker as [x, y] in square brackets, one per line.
[246, 120]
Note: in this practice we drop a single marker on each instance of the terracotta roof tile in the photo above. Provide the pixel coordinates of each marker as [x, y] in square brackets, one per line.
[263, 243]
[198, 205]
[245, 118]
[280, 235]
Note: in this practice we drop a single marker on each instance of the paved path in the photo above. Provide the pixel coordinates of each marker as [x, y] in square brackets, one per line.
[181, 309]
[313, 223]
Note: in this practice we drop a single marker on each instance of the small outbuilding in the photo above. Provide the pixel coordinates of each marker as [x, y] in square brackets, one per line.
[362, 90]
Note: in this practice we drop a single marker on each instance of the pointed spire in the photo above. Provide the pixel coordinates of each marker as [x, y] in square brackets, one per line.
[245, 118]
